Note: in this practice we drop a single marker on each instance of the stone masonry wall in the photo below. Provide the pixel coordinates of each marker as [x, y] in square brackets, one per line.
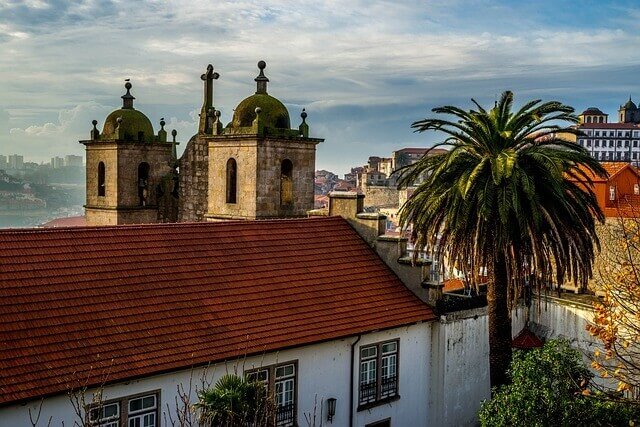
[194, 181]
[380, 195]
[271, 154]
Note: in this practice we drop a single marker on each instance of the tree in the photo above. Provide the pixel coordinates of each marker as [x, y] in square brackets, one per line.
[235, 401]
[551, 387]
[501, 199]
[617, 316]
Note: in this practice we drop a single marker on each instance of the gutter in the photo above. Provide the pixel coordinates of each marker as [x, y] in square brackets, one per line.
[351, 380]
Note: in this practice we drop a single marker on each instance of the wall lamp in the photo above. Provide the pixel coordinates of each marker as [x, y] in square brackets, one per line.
[331, 408]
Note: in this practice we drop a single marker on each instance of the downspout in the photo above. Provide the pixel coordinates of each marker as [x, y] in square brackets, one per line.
[353, 346]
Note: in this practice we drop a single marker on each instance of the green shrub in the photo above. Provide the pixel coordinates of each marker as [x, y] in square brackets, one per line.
[550, 387]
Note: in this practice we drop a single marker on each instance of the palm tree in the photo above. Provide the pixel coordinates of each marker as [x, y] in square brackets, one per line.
[235, 401]
[504, 199]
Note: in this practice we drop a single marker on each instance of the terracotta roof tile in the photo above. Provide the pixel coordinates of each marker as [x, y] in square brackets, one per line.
[72, 221]
[526, 340]
[89, 303]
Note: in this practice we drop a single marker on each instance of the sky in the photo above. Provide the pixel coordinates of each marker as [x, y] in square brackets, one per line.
[364, 70]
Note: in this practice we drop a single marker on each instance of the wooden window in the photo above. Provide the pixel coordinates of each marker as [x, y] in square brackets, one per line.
[286, 182]
[378, 380]
[141, 410]
[101, 180]
[281, 382]
[232, 180]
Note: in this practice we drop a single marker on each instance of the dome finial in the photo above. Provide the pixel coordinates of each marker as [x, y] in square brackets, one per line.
[261, 80]
[127, 98]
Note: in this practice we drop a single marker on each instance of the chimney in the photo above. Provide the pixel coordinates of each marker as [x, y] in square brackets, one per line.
[350, 206]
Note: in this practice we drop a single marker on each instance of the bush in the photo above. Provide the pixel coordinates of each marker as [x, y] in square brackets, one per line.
[550, 387]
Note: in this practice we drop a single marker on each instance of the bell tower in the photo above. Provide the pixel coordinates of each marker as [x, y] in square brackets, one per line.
[127, 168]
[259, 167]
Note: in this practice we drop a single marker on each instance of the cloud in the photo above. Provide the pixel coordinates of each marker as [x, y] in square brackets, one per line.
[363, 69]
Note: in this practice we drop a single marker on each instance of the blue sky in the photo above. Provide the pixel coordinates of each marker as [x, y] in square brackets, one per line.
[364, 70]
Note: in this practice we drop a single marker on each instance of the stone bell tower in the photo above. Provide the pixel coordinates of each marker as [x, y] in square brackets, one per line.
[259, 167]
[129, 169]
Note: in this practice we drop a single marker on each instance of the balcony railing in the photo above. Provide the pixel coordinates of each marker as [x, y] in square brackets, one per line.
[285, 415]
[388, 387]
[368, 392]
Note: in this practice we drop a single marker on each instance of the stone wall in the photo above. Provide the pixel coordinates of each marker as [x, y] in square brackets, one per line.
[380, 195]
[259, 177]
[194, 181]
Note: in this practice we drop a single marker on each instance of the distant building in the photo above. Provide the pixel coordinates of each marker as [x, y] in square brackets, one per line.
[16, 162]
[57, 162]
[71, 160]
[619, 194]
[611, 141]
[3, 162]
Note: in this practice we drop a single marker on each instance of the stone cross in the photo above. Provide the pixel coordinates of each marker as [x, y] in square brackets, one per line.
[208, 77]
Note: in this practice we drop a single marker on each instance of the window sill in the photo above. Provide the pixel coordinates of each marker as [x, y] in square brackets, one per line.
[378, 403]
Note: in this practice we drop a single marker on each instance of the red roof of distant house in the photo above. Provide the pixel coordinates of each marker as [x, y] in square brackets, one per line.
[612, 168]
[72, 221]
[608, 126]
[526, 340]
[87, 303]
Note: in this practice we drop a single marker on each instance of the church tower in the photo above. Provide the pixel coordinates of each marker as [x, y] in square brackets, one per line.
[259, 167]
[129, 169]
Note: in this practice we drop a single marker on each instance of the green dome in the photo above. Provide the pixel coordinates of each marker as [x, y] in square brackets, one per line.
[274, 114]
[630, 105]
[133, 122]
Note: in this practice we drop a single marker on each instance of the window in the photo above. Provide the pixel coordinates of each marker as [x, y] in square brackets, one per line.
[101, 180]
[281, 382]
[636, 189]
[626, 144]
[611, 133]
[134, 411]
[383, 423]
[143, 184]
[610, 143]
[286, 182]
[378, 373]
[597, 133]
[597, 143]
[635, 144]
[588, 143]
[612, 193]
[232, 180]
[619, 143]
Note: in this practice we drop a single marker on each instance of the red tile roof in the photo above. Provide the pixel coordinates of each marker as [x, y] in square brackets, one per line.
[608, 126]
[89, 303]
[526, 340]
[612, 168]
[72, 221]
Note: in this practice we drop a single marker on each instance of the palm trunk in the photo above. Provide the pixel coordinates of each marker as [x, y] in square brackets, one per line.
[499, 324]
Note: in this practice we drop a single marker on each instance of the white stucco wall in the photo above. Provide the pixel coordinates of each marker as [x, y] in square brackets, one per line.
[323, 372]
[561, 318]
[460, 366]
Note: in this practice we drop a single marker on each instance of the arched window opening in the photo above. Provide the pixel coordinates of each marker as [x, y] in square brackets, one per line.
[232, 180]
[286, 182]
[101, 179]
[143, 183]
[612, 192]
